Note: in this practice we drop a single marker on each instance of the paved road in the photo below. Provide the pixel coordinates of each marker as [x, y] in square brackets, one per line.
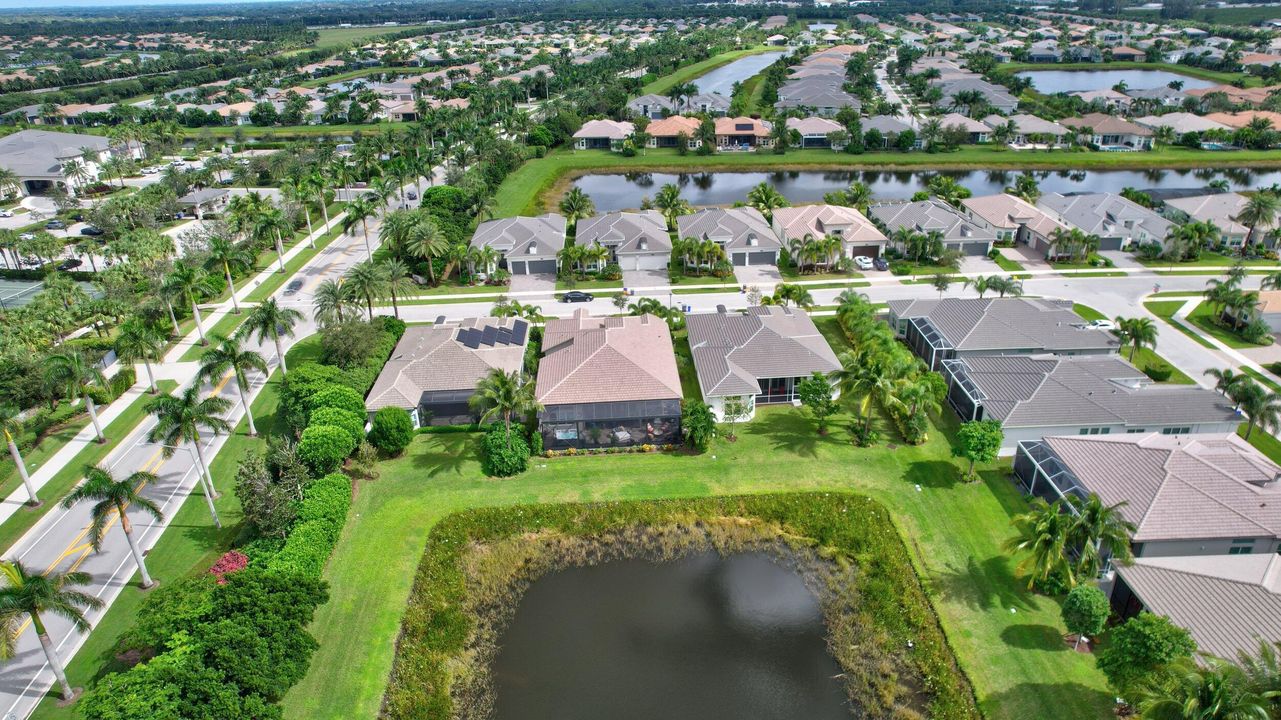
[892, 95]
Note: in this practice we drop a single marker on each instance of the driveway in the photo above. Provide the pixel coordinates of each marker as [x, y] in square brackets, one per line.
[1025, 256]
[644, 278]
[538, 282]
[1122, 259]
[765, 277]
[979, 264]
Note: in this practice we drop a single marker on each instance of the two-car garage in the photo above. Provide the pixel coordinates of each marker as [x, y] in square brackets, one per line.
[754, 257]
[532, 267]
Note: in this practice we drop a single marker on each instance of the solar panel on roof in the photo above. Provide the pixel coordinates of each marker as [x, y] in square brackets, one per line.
[519, 328]
[471, 340]
[504, 336]
[489, 335]
[440, 319]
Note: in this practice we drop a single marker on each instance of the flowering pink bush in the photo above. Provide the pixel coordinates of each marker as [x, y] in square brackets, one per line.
[231, 561]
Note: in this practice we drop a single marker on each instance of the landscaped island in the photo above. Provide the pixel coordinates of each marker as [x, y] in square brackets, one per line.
[882, 630]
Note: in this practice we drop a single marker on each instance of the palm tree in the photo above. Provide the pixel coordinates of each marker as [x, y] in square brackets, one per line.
[1226, 380]
[1043, 534]
[503, 394]
[981, 284]
[367, 281]
[1262, 408]
[116, 496]
[269, 320]
[226, 354]
[765, 198]
[229, 256]
[576, 205]
[859, 376]
[1095, 526]
[668, 200]
[1207, 688]
[426, 242]
[1025, 187]
[1138, 333]
[272, 223]
[34, 595]
[330, 303]
[191, 283]
[1259, 211]
[141, 342]
[11, 426]
[70, 374]
[179, 419]
[359, 211]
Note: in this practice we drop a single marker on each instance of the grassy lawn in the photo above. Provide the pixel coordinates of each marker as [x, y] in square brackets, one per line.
[1145, 357]
[1009, 641]
[1203, 317]
[1165, 310]
[66, 478]
[520, 192]
[698, 69]
[225, 326]
[1265, 379]
[1087, 312]
[1212, 75]
[1263, 442]
[1007, 264]
[339, 36]
[292, 266]
[1207, 260]
[190, 546]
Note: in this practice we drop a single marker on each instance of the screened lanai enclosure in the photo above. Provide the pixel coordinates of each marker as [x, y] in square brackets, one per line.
[611, 424]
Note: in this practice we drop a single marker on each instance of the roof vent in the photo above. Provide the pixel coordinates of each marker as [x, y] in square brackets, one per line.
[643, 244]
[533, 249]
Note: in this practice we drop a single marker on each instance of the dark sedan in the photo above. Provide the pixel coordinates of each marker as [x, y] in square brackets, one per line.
[90, 230]
[55, 224]
[574, 296]
[881, 264]
[293, 287]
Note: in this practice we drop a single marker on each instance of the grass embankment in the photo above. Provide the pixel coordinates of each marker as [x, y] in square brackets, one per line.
[57, 486]
[338, 36]
[1165, 309]
[1205, 319]
[1223, 78]
[1008, 640]
[696, 70]
[520, 192]
[881, 627]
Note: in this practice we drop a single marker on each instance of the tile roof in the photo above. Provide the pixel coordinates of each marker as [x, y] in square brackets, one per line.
[742, 126]
[1104, 214]
[1003, 324]
[732, 351]
[1103, 124]
[611, 129]
[1008, 212]
[814, 126]
[629, 233]
[40, 153]
[1181, 122]
[1222, 209]
[432, 358]
[929, 215]
[539, 236]
[607, 359]
[673, 126]
[735, 228]
[796, 222]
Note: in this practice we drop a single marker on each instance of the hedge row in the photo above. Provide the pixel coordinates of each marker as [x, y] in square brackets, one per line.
[846, 528]
[321, 516]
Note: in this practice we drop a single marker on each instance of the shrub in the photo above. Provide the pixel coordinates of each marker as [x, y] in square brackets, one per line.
[1139, 647]
[1160, 372]
[351, 422]
[169, 608]
[391, 431]
[321, 516]
[504, 456]
[323, 447]
[900, 268]
[300, 385]
[349, 344]
[230, 562]
[340, 397]
[1257, 331]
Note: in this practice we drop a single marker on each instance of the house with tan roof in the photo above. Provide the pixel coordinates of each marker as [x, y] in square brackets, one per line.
[1125, 53]
[975, 131]
[1109, 132]
[602, 134]
[859, 236]
[1222, 209]
[667, 131]
[742, 133]
[608, 382]
[434, 369]
[1014, 219]
[814, 131]
[1239, 120]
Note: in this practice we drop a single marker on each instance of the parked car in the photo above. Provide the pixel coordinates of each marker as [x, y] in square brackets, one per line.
[55, 224]
[576, 296]
[90, 230]
[881, 264]
[150, 170]
[1101, 325]
[863, 262]
[27, 236]
[411, 195]
[293, 287]
[69, 264]
[6, 213]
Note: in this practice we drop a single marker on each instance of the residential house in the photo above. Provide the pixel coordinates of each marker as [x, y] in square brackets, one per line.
[814, 131]
[651, 106]
[1185, 494]
[434, 369]
[1045, 51]
[1222, 209]
[1267, 309]
[1109, 132]
[1014, 219]
[858, 235]
[667, 131]
[38, 159]
[714, 104]
[608, 382]
[1165, 96]
[1124, 53]
[952, 328]
[1181, 123]
[1117, 222]
[602, 135]
[1037, 396]
[1105, 98]
[975, 131]
[1264, 60]
[636, 240]
[821, 100]
[996, 96]
[742, 133]
[756, 357]
[959, 232]
[526, 245]
[742, 233]
[1030, 129]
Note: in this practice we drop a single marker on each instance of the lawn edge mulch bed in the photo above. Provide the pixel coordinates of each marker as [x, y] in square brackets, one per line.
[897, 622]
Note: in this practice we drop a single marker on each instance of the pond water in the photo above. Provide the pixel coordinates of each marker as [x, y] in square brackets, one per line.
[701, 638]
[622, 191]
[722, 79]
[1062, 81]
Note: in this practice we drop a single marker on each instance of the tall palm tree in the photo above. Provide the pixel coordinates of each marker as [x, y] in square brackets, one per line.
[576, 205]
[35, 595]
[426, 242]
[397, 281]
[138, 341]
[269, 320]
[1137, 333]
[859, 375]
[765, 198]
[359, 211]
[11, 426]
[191, 283]
[366, 281]
[668, 200]
[110, 495]
[1226, 380]
[71, 375]
[179, 419]
[1262, 408]
[272, 223]
[228, 353]
[503, 394]
[330, 302]
[1202, 689]
[1043, 534]
[229, 257]
[1259, 211]
[1095, 527]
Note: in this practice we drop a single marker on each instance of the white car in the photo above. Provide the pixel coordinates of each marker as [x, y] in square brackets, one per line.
[863, 262]
[6, 213]
[150, 170]
[1101, 325]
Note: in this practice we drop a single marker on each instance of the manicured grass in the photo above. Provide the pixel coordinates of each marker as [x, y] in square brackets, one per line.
[190, 546]
[452, 288]
[225, 326]
[1207, 260]
[1188, 294]
[292, 266]
[1225, 78]
[1146, 358]
[519, 193]
[339, 36]
[1266, 379]
[1165, 309]
[1087, 312]
[1203, 318]
[1007, 264]
[698, 69]
[66, 478]
[1263, 442]
[1008, 640]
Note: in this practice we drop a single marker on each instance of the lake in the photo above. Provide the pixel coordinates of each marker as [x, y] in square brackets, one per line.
[1062, 81]
[623, 191]
[722, 79]
[701, 638]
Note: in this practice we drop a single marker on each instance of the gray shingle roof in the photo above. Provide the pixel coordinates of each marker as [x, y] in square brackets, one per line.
[530, 237]
[927, 215]
[40, 153]
[733, 350]
[630, 233]
[735, 228]
[1226, 602]
[607, 359]
[1003, 324]
[432, 358]
[1105, 214]
[1179, 487]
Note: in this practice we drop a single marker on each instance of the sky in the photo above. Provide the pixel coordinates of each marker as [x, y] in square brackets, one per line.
[54, 4]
